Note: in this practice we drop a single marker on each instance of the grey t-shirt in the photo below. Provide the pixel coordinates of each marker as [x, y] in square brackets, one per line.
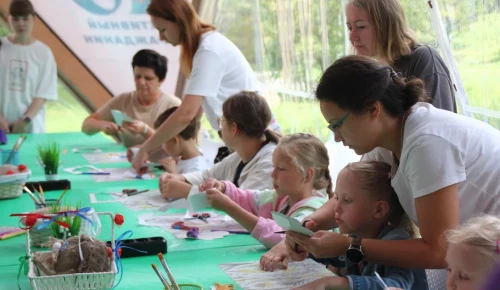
[425, 63]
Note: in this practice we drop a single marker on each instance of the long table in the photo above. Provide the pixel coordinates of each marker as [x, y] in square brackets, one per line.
[191, 261]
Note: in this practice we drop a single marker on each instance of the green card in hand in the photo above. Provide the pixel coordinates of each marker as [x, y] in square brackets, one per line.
[290, 224]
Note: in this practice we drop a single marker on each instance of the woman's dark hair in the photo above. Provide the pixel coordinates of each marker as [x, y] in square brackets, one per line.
[251, 113]
[189, 132]
[19, 8]
[153, 60]
[355, 83]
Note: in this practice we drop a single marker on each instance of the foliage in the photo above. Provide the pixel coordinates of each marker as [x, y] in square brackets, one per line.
[49, 156]
[74, 222]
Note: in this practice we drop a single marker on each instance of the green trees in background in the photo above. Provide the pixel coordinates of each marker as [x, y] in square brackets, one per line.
[290, 42]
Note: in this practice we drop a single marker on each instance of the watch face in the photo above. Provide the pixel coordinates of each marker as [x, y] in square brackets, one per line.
[354, 255]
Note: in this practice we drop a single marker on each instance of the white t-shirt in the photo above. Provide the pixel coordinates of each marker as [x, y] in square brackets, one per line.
[194, 164]
[219, 71]
[255, 175]
[440, 149]
[26, 72]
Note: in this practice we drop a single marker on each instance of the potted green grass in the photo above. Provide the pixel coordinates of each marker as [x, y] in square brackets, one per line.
[49, 155]
[73, 221]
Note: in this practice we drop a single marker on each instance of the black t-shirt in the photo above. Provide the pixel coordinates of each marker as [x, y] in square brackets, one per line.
[426, 64]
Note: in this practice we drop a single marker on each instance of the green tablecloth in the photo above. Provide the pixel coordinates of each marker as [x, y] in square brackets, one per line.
[190, 261]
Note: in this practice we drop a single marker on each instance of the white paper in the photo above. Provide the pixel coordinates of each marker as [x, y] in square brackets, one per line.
[106, 157]
[151, 200]
[249, 276]
[117, 174]
[221, 223]
[82, 168]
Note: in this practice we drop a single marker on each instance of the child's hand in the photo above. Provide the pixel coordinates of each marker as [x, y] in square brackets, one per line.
[212, 183]
[275, 256]
[217, 199]
[170, 164]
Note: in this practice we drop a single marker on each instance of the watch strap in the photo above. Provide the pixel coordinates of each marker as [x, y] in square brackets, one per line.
[356, 243]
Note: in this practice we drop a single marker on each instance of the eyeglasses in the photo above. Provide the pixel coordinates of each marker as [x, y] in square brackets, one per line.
[336, 126]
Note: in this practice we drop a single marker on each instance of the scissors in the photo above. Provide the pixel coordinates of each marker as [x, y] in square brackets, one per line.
[180, 226]
[204, 217]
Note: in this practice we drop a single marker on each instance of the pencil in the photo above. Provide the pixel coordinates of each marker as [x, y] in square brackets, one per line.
[31, 194]
[62, 194]
[137, 192]
[239, 232]
[11, 235]
[163, 280]
[38, 195]
[41, 192]
[172, 280]
[381, 281]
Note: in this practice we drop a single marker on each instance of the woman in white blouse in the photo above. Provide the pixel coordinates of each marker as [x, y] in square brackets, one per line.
[215, 67]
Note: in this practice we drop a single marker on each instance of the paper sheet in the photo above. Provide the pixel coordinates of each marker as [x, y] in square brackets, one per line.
[249, 276]
[290, 224]
[198, 201]
[118, 174]
[119, 117]
[106, 158]
[222, 223]
[151, 200]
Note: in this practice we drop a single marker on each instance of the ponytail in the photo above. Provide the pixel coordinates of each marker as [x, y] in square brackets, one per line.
[272, 136]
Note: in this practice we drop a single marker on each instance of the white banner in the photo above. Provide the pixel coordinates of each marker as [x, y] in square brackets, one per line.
[105, 35]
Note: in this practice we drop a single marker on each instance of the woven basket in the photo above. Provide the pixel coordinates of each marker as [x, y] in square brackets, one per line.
[10, 185]
[87, 281]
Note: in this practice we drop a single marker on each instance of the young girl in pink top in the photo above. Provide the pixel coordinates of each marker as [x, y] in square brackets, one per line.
[300, 170]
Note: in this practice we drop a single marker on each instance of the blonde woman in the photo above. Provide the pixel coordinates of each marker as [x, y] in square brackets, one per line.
[216, 69]
[379, 29]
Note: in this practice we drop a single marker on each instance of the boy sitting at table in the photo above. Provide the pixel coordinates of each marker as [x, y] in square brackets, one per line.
[183, 152]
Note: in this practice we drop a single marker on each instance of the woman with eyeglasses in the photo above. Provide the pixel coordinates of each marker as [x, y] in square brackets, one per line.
[445, 166]
[215, 67]
[378, 29]
[244, 129]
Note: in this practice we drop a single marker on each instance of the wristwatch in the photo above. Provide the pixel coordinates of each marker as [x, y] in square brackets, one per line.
[354, 253]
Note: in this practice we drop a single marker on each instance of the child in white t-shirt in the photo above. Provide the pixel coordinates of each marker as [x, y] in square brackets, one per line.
[183, 149]
[28, 74]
